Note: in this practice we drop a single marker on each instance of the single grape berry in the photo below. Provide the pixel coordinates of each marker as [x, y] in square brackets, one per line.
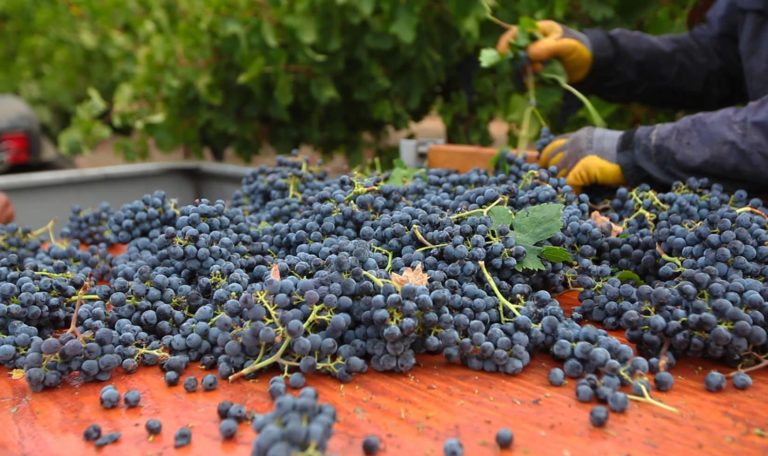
[107, 439]
[190, 384]
[223, 409]
[109, 398]
[228, 428]
[453, 447]
[504, 438]
[172, 378]
[153, 426]
[92, 433]
[210, 382]
[238, 412]
[556, 376]
[598, 416]
[741, 381]
[132, 398]
[714, 381]
[584, 393]
[182, 438]
[296, 380]
[618, 401]
[371, 445]
[663, 381]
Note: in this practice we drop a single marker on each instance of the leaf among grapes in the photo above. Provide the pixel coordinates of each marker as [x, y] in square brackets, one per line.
[414, 276]
[629, 276]
[555, 254]
[501, 216]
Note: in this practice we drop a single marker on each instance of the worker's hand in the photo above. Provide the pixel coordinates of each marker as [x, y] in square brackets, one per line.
[7, 212]
[585, 157]
[571, 47]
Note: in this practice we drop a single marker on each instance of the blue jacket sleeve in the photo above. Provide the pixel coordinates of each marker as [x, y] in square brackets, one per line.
[698, 70]
[729, 145]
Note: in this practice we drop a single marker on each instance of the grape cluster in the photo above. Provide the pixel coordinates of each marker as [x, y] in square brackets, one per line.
[295, 424]
[313, 273]
[89, 226]
[138, 218]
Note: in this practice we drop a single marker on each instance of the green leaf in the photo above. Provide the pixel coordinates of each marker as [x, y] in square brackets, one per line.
[365, 6]
[405, 24]
[523, 38]
[629, 276]
[323, 90]
[555, 254]
[253, 70]
[531, 261]
[284, 90]
[501, 216]
[402, 174]
[537, 223]
[518, 104]
[528, 24]
[268, 33]
[489, 57]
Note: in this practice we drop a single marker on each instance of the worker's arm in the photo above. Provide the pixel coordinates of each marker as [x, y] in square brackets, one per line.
[697, 70]
[729, 145]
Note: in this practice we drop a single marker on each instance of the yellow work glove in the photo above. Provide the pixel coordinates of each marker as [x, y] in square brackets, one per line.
[571, 47]
[585, 157]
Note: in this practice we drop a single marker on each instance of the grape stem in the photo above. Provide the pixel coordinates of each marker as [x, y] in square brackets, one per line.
[421, 237]
[80, 298]
[762, 364]
[482, 210]
[648, 399]
[502, 300]
[494, 19]
[260, 365]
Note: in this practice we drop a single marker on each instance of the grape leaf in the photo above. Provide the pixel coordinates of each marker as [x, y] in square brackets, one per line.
[531, 261]
[501, 216]
[629, 276]
[401, 174]
[537, 223]
[489, 57]
[533, 225]
[555, 254]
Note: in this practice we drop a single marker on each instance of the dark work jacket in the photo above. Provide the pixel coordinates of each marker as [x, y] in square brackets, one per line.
[721, 68]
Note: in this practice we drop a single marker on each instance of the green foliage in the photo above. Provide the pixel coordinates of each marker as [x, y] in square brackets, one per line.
[236, 73]
[530, 226]
[401, 174]
[629, 276]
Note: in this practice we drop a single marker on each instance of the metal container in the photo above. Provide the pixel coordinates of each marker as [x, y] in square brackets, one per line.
[42, 196]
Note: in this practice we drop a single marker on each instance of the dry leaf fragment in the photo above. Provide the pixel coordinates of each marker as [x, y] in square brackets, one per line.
[413, 276]
[275, 272]
[602, 220]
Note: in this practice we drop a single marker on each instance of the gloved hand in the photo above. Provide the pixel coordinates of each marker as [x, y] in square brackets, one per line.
[570, 46]
[586, 157]
[7, 212]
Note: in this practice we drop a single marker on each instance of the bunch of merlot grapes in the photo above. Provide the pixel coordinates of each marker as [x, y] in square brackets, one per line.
[89, 226]
[343, 274]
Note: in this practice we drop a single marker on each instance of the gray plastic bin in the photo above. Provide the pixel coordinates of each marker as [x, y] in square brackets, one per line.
[40, 197]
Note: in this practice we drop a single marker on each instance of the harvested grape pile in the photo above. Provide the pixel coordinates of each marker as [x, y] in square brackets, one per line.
[304, 273]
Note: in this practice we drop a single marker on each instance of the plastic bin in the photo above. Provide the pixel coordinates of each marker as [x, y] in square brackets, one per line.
[42, 196]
